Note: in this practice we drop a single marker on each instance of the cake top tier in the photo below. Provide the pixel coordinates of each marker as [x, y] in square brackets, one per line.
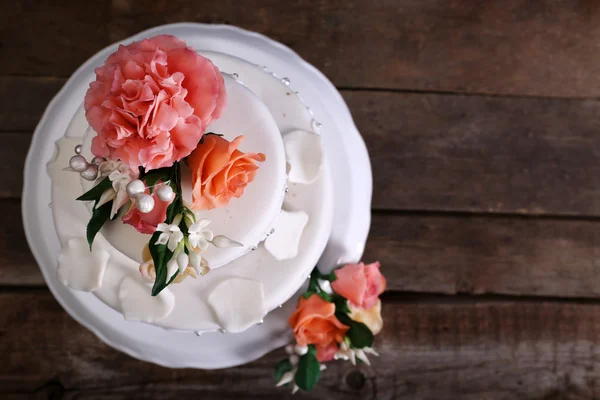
[247, 219]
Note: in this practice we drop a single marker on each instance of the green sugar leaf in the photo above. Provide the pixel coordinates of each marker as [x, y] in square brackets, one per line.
[309, 370]
[359, 334]
[160, 256]
[95, 192]
[281, 368]
[341, 304]
[99, 217]
[324, 296]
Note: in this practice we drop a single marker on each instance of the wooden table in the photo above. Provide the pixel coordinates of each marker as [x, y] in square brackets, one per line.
[482, 121]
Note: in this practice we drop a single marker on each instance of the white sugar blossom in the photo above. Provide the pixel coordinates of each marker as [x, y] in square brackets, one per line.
[189, 218]
[199, 264]
[195, 260]
[325, 286]
[108, 166]
[347, 353]
[179, 260]
[288, 377]
[120, 176]
[171, 234]
[108, 195]
[199, 235]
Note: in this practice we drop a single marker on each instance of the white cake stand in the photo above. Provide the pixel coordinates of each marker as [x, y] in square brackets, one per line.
[349, 165]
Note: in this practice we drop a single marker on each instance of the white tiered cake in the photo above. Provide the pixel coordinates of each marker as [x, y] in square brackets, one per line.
[189, 193]
[282, 221]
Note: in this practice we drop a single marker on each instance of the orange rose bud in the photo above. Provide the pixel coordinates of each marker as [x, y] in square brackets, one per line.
[220, 171]
[314, 322]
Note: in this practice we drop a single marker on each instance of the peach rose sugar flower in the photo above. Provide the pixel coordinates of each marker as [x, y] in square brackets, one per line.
[314, 322]
[220, 171]
[361, 284]
[152, 101]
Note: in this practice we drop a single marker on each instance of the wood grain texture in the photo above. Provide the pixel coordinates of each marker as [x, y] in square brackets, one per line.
[17, 265]
[12, 163]
[432, 152]
[481, 154]
[492, 350]
[51, 38]
[23, 101]
[430, 254]
[542, 48]
[478, 255]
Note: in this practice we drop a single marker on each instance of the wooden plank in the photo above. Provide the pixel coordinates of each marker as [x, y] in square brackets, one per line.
[481, 154]
[430, 348]
[23, 101]
[439, 254]
[12, 163]
[542, 48]
[51, 38]
[477, 255]
[435, 152]
[17, 265]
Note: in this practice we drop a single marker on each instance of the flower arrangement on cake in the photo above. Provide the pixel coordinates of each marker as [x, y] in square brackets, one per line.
[150, 105]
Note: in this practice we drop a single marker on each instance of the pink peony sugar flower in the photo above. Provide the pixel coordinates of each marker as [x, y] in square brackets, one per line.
[152, 101]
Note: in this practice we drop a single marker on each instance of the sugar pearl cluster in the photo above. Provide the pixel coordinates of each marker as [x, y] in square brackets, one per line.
[87, 170]
[295, 352]
[144, 202]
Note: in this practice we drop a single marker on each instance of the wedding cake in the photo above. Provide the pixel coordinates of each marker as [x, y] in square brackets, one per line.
[191, 192]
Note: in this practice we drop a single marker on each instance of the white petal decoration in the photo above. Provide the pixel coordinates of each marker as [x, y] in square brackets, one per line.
[138, 304]
[240, 312]
[79, 268]
[304, 153]
[283, 243]
[224, 242]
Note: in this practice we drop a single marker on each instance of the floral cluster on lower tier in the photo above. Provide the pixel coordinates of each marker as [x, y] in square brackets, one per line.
[337, 318]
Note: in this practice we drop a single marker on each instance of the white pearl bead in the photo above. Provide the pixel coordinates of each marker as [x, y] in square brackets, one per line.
[78, 163]
[90, 173]
[97, 160]
[301, 350]
[165, 193]
[144, 203]
[294, 360]
[289, 349]
[78, 149]
[135, 187]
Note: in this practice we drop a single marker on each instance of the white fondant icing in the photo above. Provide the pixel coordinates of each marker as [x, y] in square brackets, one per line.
[283, 243]
[192, 311]
[238, 303]
[304, 154]
[79, 268]
[64, 149]
[138, 304]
